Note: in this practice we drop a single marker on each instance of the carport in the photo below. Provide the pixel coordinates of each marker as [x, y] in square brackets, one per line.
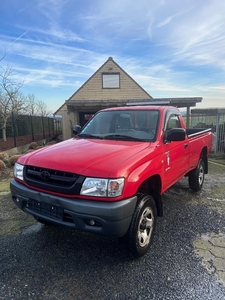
[91, 107]
[211, 118]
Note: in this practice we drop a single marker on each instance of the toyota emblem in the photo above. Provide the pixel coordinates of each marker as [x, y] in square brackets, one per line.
[45, 175]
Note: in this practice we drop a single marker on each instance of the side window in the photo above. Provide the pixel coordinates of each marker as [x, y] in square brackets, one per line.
[173, 122]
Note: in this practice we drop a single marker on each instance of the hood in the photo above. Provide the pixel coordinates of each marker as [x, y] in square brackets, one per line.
[87, 157]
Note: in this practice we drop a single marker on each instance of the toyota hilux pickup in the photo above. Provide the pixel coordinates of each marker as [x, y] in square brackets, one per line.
[109, 178]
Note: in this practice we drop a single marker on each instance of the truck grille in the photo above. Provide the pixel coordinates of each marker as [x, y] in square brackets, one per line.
[53, 180]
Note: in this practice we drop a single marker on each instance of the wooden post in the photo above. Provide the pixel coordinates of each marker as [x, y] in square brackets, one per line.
[188, 117]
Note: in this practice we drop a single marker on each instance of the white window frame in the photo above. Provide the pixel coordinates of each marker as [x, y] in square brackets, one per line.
[110, 80]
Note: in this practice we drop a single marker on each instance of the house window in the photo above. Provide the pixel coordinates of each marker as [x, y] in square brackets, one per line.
[111, 81]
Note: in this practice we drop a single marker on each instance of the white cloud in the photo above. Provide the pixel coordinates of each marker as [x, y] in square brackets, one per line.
[198, 36]
[51, 9]
[192, 30]
[43, 51]
[170, 47]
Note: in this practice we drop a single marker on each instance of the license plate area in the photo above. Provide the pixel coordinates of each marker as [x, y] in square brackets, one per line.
[45, 209]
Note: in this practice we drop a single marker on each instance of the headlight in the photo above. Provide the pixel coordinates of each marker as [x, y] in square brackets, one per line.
[100, 187]
[18, 171]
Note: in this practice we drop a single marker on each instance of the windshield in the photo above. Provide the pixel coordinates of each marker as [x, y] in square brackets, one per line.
[123, 125]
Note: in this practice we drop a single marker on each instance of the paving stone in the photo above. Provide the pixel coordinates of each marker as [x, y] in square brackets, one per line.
[219, 264]
[211, 248]
[201, 244]
[205, 254]
[218, 252]
[218, 241]
[209, 267]
[221, 276]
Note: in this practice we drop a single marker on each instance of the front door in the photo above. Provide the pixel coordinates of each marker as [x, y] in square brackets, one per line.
[176, 154]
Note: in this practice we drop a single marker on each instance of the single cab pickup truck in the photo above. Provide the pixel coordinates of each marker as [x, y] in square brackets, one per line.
[109, 178]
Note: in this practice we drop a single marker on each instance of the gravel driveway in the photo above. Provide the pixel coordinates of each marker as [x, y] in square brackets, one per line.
[50, 262]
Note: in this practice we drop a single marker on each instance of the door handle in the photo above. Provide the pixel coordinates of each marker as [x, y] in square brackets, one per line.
[185, 146]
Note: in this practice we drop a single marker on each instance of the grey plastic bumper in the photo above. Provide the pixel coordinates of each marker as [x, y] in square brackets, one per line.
[106, 218]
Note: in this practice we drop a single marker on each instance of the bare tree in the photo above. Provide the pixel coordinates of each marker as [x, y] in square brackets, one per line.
[32, 105]
[11, 99]
[42, 108]
[35, 106]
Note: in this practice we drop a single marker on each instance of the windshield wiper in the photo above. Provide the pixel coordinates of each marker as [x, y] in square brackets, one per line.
[122, 137]
[89, 136]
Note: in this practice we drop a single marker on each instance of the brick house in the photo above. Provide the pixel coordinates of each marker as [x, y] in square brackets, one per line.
[109, 86]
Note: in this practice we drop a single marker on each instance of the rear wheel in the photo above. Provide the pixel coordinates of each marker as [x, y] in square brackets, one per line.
[196, 177]
[140, 234]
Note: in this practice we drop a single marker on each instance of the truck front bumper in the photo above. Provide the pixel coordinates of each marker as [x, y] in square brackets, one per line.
[106, 218]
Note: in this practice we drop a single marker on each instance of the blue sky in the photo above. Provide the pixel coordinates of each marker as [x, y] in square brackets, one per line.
[172, 48]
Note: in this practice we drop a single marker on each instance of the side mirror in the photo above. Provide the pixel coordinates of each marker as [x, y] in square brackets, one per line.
[76, 129]
[175, 135]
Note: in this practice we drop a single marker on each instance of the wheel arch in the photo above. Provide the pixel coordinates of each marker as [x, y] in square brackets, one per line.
[204, 156]
[153, 187]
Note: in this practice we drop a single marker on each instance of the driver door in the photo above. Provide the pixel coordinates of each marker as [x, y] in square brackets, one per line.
[176, 154]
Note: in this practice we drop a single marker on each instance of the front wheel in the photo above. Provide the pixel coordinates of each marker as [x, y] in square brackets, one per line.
[140, 234]
[196, 177]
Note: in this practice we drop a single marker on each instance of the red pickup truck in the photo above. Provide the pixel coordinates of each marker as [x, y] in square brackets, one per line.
[109, 178]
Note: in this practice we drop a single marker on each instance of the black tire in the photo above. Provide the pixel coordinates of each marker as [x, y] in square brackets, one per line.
[42, 221]
[140, 234]
[196, 177]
